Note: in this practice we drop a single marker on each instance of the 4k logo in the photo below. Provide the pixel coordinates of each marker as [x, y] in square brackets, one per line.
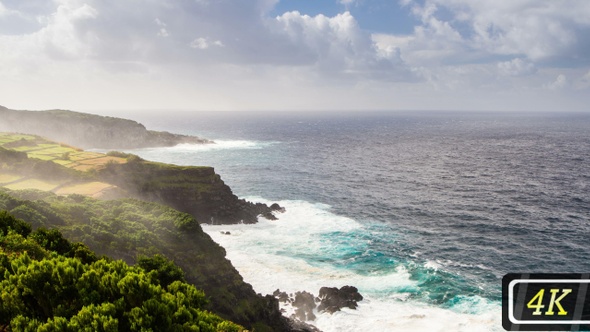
[537, 302]
[533, 302]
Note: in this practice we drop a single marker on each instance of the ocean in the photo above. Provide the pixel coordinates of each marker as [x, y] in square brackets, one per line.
[423, 212]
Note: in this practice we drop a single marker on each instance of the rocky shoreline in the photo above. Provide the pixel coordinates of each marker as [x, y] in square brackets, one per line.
[305, 305]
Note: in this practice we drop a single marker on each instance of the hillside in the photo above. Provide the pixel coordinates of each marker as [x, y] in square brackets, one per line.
[48, 283]
[89, 130]
[52, 185]
[32, 162]
[129, 229]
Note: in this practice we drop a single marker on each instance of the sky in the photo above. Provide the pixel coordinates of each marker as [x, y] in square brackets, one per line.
[89, 55]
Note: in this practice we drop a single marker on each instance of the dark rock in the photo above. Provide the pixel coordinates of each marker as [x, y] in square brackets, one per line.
[299, 326]
[304, 304]
[276, 207]
[196, 190]
[333, 299]
[225, 233]
[281, 296]
[269, 216]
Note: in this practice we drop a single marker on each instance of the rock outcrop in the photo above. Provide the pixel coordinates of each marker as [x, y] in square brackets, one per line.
[330, 299]
[304, 304]
[195, 190]
[333, 299]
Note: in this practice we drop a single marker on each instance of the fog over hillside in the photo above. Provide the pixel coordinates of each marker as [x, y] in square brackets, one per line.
[88, 130]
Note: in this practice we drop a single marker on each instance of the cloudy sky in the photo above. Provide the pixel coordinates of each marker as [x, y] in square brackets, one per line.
[295, 54]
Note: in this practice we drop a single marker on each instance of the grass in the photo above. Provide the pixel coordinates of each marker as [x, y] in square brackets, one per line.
[54, 150]
[62, 162]
[33, 184]
[40, 148]
[11, 137]
[83, 168]
[99, 161]
[85, 155]
[86, 189]
[6, 178]
[26, 148]
[65, 155]
[41, 156]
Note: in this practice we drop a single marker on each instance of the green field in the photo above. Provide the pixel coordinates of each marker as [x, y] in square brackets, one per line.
[92, 189]
[39, 148]
[33, 184]
[6, 178]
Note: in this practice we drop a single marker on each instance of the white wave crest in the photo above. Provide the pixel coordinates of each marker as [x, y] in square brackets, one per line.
[220, 145]
[272, 255]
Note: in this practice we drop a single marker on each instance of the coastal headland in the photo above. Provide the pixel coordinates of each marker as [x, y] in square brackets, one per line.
[126, 208]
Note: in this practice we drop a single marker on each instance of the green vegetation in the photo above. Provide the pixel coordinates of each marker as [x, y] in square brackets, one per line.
[19, 162]
[52, 167]
[150, 176]
[37, 147]
[50, 284]
[64, 170]
[130, 229]
[134, 231]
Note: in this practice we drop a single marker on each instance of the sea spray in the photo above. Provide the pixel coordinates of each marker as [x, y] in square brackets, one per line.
[310, 247]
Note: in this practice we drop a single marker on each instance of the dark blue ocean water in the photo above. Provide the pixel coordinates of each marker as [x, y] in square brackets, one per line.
[454, 200]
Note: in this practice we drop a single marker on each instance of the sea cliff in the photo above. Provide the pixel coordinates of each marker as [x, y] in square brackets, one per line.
[195, 190]
[127, 226]
[152, 208]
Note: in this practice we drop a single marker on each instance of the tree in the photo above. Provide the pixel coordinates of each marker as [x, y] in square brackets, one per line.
[163, 269]
[7, 222]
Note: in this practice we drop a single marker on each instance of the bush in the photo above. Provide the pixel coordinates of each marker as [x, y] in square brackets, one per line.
[52, 292]
[9, 222]
[164, 270]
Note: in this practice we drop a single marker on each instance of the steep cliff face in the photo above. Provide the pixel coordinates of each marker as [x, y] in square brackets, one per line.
[198, 191]
[88, 130]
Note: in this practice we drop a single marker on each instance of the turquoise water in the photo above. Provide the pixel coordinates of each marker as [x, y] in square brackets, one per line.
[423, 212]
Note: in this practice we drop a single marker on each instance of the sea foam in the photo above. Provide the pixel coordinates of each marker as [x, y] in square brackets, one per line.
[219, 145]
[298, 252]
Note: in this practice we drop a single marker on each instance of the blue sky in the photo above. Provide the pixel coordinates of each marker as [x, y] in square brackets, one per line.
[517, 55]
[378, 16]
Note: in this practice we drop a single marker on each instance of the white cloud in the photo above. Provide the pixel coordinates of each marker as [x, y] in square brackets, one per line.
[162, 32]
[3, 10]
[583, 83]
[455, 31]
[560, 82]
[586, 78]
[517, 67]
[488, 45]
[235, 48]
[539, 30]
[200, 43]
[109, 31]
[347, 3]
[338, 46]
[59, 39]
[204, 43]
